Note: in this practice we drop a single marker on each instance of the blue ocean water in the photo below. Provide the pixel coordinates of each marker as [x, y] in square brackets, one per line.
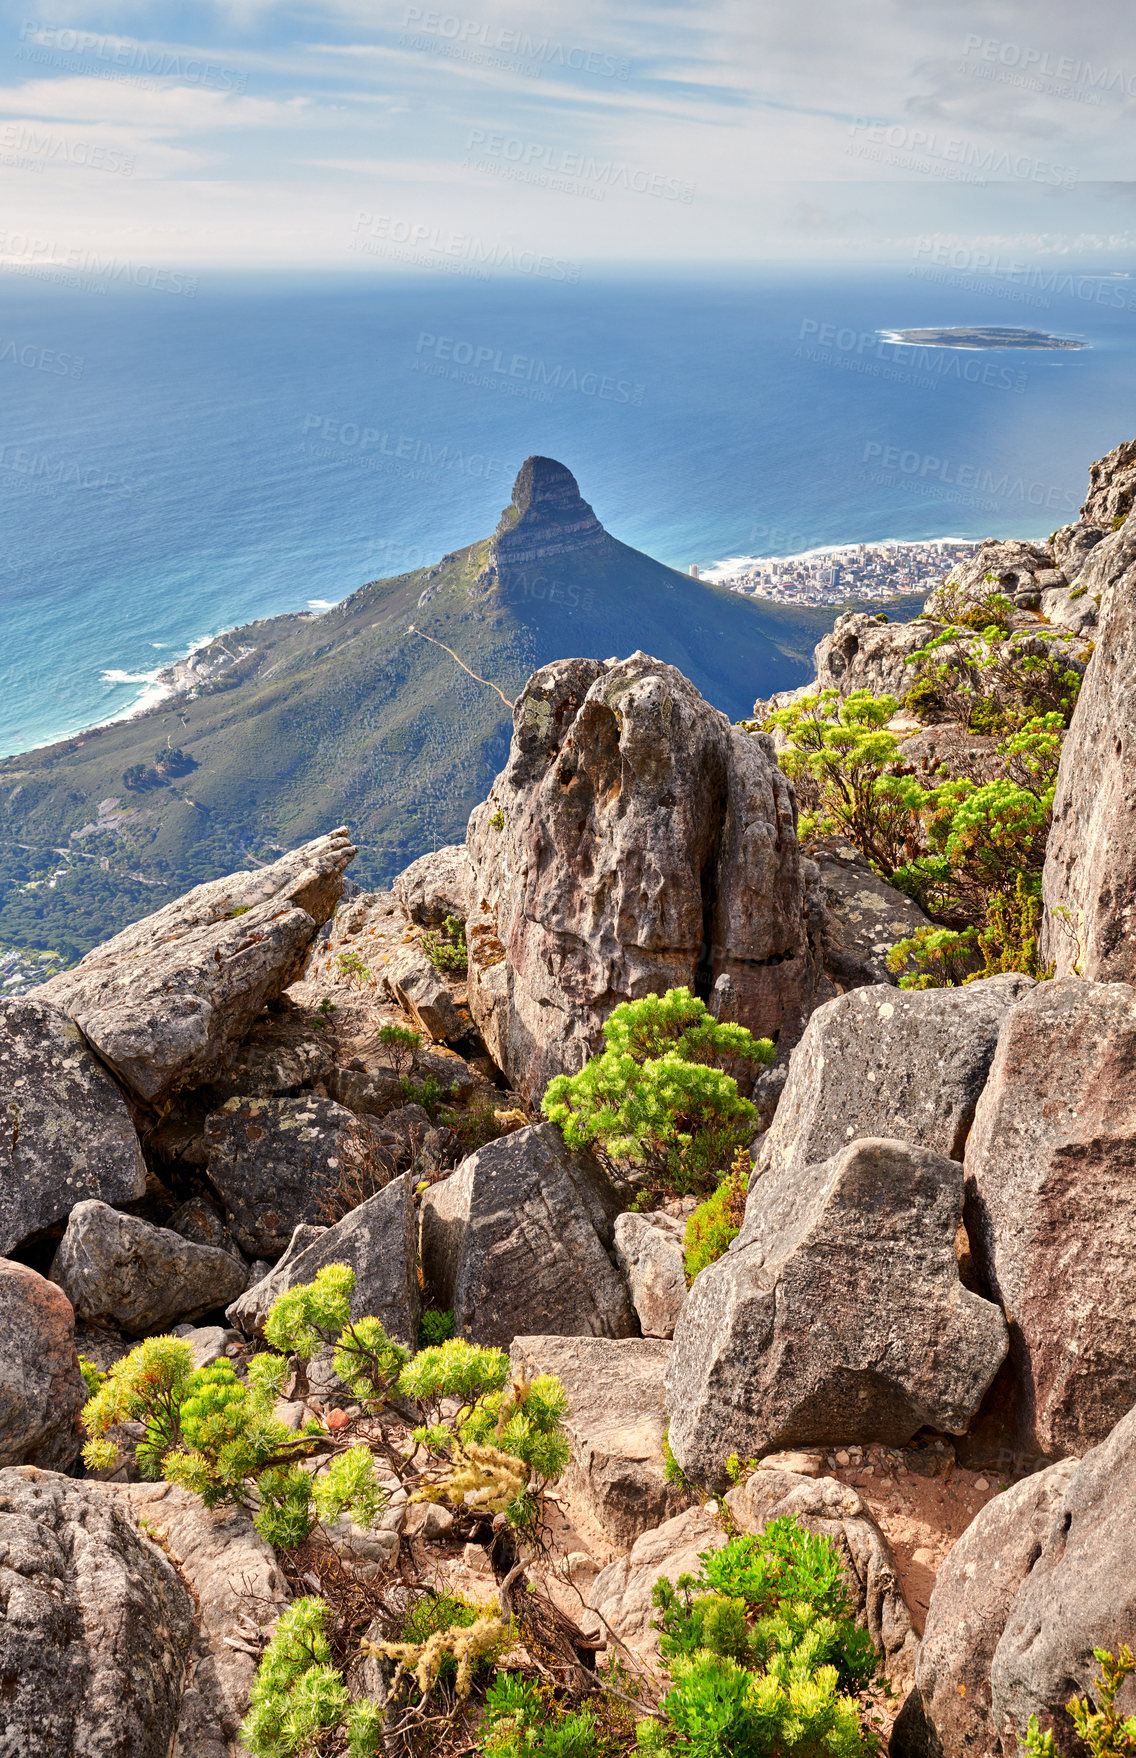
[172, 466]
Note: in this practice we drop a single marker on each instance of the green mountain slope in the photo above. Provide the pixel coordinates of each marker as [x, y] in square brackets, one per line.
[283, 729]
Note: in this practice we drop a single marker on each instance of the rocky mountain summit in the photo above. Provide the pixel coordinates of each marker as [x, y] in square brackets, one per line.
[913, 1340]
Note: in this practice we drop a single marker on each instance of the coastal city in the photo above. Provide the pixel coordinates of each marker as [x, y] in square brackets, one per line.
[835, 575]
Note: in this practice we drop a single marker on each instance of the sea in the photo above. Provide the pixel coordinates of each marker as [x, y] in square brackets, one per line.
[183, 457]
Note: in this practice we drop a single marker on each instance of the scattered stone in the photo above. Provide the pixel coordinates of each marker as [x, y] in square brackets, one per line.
[651, 1258]
[800, 1464]
[122, 1273]
[839, 1315]
[276, 1163]
[621, 1593]
[208, 1342]
[163, 1001]
[516, 1242]
[65, 1130]
[41, 1388]
[427, 1520]
[436, 886]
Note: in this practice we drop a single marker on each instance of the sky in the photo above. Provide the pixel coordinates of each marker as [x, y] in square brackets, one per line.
[363, 136]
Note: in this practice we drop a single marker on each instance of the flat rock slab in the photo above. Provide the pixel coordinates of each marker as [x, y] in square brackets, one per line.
[838, 1317]
[276, 1162]
[122, 1273]
[98, 1628]
[615, 1485]
[65, 1130]
[163, 1001]
[41, 1388]
[515, 1242]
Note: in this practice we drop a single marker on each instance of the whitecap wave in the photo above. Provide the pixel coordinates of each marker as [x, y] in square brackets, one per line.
[321, 603]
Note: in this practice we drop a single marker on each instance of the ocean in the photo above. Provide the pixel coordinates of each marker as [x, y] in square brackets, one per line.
[178, 460]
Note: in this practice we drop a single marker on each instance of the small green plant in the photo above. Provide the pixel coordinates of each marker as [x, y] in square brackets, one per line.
[655, 1098]
[1118, 520]
[497, 821]
[1104, 1733]
[299, 1699]
[435, 1327]
[718, 1220]
[672, 1470]
[397, 1046]
[349, 964]
[446, 949]
[93, 1377]
[426, 1092]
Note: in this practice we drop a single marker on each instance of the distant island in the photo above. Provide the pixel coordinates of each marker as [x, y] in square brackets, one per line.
[963, 336]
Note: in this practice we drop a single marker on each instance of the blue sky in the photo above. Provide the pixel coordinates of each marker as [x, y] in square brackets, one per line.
[342, 136]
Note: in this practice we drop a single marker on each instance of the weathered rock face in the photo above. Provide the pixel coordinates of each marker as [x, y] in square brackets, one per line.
[1089, 883]
[1046, 1573]
[162, 1001]
[1051, 1209]
[907, 1063]
[861, 653]
[635, 841]
[621, 1593]
[377, 1240]
[97, 1625]
[615, 1484]
[414, 984]
[41, 1388]
[1112, 486]
[834, 1511]
[837, 1317]
[649, 1253]
[516, 1241]
[65, 1131]
[284, 1052]
[275, 1162]
[121, 1272]
[436, 886]
[1014, 569]
[854, 915]
[547, 516]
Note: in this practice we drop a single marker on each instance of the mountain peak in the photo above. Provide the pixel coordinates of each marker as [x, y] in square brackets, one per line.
[547, 516]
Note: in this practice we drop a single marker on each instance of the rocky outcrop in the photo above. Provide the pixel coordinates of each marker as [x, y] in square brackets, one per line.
[1051, 1210]
[834, 1511]
[163, 1001]
[41, 1388]
[863, 652]
[620, 1599]
[1046, 1573]
[515, 1242]
[649, 1252]
[636, 841]
[436, 886]
[837, 1317]
[416, 986]
[285, 1051]
[97, 1626]
[885, 1062]
[547, 517]
[1112, 486]
[1014, 569]
[615, 1485]
[855, 917]
[377, 1240]
[119, 1272]
[276, 1163]
[65, 1130]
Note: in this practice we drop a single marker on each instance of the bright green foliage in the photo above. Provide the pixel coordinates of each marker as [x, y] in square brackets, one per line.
[527, 1421]
[522, 1722]
[447, 948]
[311, 1313]
[1006, 941]
[435, 1612]
[351, 965]
[1105, 1733]
[299, 1701]
[718, 1220]
[976, 672]
[653, 1097]
[398, 1044]
[93, 1377]
[435, 1327]
[147, 1385]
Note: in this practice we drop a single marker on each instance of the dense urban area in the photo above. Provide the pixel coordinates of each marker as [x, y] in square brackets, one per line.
[857, 570]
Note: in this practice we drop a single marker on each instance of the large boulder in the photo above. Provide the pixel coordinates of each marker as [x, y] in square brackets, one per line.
[65, 1131]
[649, 1252]
[377, 1240]
[863, 652]
[834, 1511]
[615, 1485]
[1051, 1210]
[163, 1001]
[1044, 1575]
[516, 1242]
[276, 1163]
[416, 986]
[906, 1063]
[97, 1625]
[620, 1600]
[855, 917]
[41, 1388]
[635, 841]
[287, 1049]
[838, 1317]
[436, 886]
[122, 1273]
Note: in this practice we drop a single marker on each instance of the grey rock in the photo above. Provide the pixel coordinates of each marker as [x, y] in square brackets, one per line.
[119, 1271]
[202, 1222]
[1070, 607]
[65, 1130]
[41, 1388]
[861, 653]
[516, 1242]
[855, 916]
[615, 1486]
[98, 1627]
[834, 1511]
[889, 1062]
[1051, 1210]
[163, 1001]
[368, 1092]
[838, 1317]
[1112, 486]
[629, 811]
[208, 1342]
[620, 1599]
[436, 886]
[283, 1053]
[651, 1259]
[376, 1240]
[419, 988]
[1014, 565]
[1072, 544]
[276, 1163]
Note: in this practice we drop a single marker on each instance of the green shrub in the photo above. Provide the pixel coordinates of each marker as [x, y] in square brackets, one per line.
[1102, 1730]
[718, 1220]
[1118, 521]
[434, 1327]
[447, 948]
[654, 1097]
[351, 965]
[299, 1699]
[397, 1044]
